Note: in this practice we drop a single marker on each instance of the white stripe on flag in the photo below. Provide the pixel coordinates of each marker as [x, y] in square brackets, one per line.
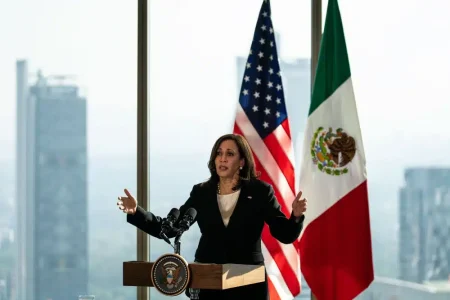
[285, 143]
[293, 257]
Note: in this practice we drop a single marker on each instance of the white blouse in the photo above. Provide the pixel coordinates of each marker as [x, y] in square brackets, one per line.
[227, 203]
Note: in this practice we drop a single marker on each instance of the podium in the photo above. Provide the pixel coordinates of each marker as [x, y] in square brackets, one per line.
[202, 276]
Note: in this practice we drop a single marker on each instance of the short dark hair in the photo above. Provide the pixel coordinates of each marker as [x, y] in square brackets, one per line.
[248, 171]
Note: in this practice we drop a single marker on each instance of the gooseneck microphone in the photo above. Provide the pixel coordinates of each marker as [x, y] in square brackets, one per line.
[183, 226]
[187, 220]
[167, 224]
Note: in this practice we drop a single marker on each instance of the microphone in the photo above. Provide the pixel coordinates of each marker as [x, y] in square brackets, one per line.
[187, 220]
[167, 224]
[183, 226]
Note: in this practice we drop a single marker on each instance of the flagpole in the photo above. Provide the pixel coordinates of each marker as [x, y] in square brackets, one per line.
[316, 35]
[142, 243]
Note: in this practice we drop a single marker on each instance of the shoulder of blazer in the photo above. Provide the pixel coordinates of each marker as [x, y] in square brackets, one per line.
[253, 185]
[257, 189]
[203, 187]
[258, 185]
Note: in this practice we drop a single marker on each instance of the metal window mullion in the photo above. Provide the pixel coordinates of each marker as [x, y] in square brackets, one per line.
[142, 245]
[316, 36]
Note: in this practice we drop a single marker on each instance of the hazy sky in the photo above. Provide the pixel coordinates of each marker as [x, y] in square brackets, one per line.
[398, 53]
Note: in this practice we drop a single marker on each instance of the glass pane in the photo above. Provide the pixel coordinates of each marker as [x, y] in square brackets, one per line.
[69, 102]
[196, 72]
[400, 72]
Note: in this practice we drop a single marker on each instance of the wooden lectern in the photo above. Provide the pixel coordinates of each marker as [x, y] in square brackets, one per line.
[203, 276]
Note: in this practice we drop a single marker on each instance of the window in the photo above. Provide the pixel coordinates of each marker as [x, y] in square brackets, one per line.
[195, 76]
[69, 98]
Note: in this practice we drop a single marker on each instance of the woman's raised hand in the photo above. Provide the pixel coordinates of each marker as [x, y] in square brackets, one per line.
[299, 205]
[127, 204]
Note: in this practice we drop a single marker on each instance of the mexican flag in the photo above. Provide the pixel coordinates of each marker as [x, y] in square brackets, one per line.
[335, 246]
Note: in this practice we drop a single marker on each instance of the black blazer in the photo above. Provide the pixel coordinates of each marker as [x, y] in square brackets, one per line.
[240, 241]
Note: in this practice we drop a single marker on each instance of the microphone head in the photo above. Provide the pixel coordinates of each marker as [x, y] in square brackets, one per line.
[187, 220]
[191, 212]
[174, 214]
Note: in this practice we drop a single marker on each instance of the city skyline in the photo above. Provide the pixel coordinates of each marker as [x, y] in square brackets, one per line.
[400, 70]
[172, 68]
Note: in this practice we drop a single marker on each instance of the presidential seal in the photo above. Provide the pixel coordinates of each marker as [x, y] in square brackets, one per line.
[170, 274]
[332, 151]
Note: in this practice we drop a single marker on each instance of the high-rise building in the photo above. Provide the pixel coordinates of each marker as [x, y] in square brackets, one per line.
[52, 237]
[424, 250]
[296, 87]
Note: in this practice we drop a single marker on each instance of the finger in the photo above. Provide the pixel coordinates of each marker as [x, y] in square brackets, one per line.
[119, 202]
[128, 193]
[299, 195]
[121, 207]
[300, 206]
[299, 202]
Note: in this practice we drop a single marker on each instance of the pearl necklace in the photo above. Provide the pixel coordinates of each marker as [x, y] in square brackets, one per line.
[218, 189]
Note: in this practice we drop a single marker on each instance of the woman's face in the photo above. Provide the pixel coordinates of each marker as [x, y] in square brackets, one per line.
[228, 159]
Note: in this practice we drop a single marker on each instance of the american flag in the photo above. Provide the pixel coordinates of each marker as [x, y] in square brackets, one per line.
[262, 119]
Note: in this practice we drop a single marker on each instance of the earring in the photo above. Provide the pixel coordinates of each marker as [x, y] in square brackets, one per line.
[240, 168]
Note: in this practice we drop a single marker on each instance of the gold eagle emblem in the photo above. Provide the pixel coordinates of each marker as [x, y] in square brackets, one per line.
[332, 151]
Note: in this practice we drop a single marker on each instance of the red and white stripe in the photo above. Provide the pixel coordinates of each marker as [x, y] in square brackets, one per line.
[274, 158]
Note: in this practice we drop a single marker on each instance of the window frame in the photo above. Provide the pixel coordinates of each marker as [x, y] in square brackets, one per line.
[143, 198]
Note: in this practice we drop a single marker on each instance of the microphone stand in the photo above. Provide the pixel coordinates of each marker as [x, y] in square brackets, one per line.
[185, 223]
[177, 243]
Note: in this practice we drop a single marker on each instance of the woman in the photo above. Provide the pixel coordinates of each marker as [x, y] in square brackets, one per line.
[232, 207]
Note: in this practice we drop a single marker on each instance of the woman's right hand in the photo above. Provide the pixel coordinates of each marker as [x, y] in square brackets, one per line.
[127, 204]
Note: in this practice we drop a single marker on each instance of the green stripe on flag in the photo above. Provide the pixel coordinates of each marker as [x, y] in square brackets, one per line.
[333, 67]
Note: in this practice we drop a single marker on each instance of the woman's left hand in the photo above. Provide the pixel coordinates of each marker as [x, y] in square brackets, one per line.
[299, 205]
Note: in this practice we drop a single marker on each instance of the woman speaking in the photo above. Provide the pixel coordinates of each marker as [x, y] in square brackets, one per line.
[232, 207]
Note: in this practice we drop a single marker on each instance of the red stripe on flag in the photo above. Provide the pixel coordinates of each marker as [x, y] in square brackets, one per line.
[272, 245]
[286, 127]
[336, 248]
[273, 294]
[236, 129]
[282, 160]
